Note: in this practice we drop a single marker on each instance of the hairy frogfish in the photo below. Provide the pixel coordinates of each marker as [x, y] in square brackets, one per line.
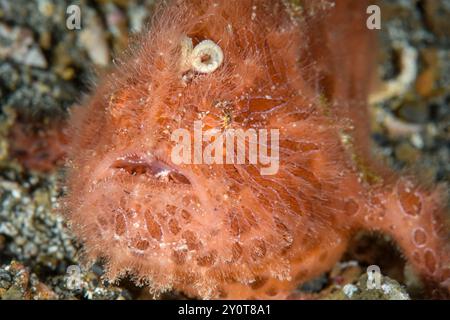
[224, 230]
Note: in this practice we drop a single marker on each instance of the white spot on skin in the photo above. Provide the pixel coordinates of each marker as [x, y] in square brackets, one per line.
[181, 247]
[230, 28]
[162, 174]
[253, 17]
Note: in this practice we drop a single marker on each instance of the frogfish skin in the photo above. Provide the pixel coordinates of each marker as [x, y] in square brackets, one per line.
[225, 230]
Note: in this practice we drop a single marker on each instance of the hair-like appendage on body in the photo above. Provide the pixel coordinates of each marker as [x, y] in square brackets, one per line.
[226, 231]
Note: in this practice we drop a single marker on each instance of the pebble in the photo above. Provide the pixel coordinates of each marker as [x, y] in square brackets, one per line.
[349, 290]
[405, 152]
[17, 43]
[93, 38]
[436, 14]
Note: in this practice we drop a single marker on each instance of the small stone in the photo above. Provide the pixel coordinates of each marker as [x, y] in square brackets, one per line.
[414, 113]
[417, 141]
[436, 17]
[17, 43]
[349, 290]
[13, 293]
[45, 40]
[388, 290]
[46, 8]
[93, 38]
[406, 153]
[67, 73]
[426, 81]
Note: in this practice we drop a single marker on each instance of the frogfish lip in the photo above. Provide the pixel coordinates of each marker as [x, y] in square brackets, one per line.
[136, 164]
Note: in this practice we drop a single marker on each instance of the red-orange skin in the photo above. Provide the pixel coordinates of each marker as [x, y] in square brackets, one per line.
[225, 231]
